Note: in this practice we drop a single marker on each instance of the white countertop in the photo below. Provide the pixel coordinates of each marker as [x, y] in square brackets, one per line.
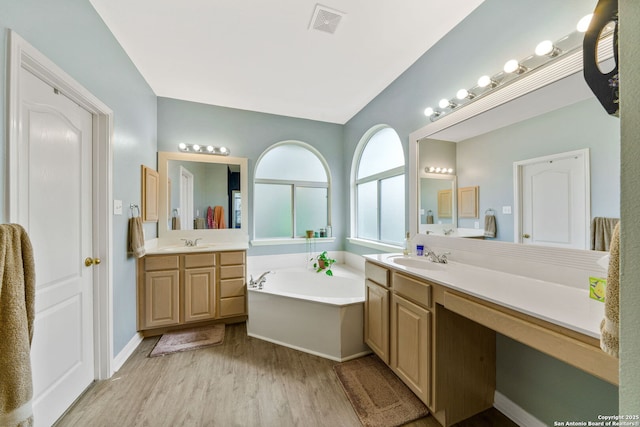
[562, 305]
[204, 247]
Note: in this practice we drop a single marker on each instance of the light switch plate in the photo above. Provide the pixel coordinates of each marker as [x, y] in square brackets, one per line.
[117, 207]
[506, 210]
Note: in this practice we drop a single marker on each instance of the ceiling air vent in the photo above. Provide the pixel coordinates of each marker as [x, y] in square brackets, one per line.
[325, 19]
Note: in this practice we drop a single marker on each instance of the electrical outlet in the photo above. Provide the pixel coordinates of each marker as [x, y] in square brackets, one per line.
[476, 225]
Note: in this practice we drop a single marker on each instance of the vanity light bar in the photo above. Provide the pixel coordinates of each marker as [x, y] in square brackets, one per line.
[545, 53]
[202, 149]
[434, 169]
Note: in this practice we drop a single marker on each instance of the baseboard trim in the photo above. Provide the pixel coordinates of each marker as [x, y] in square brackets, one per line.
[514, 412]
[126, 352]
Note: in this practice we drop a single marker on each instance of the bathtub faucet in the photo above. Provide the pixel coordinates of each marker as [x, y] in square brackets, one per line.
[258, 283]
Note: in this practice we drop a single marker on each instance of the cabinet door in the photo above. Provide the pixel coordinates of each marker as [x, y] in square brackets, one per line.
[376, 320]
[199, 294]
[410, 345]
[162, 297]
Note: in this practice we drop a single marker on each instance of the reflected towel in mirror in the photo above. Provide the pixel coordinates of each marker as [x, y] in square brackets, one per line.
[490, 227]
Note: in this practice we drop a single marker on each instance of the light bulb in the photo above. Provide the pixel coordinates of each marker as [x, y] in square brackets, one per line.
[484, 81]
[182, 146]
[444, 103]
[544, 48]
[224, 150]
[583, 23]
[438, 170]
[450, 170]
[210, 148]
[511, 66]
[428, 111]
[432, 169]
[462, 94]
[196, 147]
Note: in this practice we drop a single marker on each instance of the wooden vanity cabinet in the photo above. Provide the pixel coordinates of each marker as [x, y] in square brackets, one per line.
[376, 310]
[447, 360]
[159, 296]
[232, 290]
[188, 288]
[411, 334]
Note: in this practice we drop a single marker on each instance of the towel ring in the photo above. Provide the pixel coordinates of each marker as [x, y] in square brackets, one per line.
[133, 206]
[490, 211]
[429, 212]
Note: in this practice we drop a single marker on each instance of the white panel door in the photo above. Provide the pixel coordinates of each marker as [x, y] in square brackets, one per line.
[55, 206]
[555, 203]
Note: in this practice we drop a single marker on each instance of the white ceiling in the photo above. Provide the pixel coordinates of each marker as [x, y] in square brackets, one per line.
[262, 56]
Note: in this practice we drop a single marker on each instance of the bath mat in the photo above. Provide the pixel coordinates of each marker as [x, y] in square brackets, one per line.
[188, 339]
[379, 398]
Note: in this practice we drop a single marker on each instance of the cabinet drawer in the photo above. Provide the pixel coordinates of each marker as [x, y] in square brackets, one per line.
[232, 306]
[412, 289]
[199, 260]
[232, 272]
[231, 258]
[231, 288]
[163, 262]
[378, 274]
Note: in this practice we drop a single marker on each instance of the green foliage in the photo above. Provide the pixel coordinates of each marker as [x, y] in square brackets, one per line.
[323, 262]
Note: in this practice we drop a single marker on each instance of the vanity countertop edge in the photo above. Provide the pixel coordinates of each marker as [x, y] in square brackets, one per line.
[558, 304]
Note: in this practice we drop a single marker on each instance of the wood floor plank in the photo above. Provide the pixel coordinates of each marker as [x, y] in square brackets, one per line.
[244, 382]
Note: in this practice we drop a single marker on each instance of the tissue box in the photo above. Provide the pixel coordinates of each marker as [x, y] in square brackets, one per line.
[597, 288]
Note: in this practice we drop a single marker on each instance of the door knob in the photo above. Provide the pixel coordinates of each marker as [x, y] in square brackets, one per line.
[526, 236]
[88, 261]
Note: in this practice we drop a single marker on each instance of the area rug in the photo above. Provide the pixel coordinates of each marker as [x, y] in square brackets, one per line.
[379, 398]
[188, 339]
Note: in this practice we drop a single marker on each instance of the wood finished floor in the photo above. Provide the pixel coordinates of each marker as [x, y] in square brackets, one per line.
[244, 382]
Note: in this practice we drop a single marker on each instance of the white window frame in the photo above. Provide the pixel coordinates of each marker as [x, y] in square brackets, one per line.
[294, 184]
[355, 163]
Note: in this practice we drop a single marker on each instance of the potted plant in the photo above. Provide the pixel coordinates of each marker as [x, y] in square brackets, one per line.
[323, 262]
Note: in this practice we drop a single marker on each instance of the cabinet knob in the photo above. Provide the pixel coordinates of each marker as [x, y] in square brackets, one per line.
[526, 236]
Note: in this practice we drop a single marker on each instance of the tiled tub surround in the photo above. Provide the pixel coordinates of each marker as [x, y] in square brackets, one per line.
[306, 310]
[547, 285]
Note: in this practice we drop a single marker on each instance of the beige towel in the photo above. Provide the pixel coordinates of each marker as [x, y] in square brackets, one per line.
[199, 224]
[490, 227]
[136, 237]
[602, 232]
[17, 311]
[609, 329]
[175, 223]
[429, 217]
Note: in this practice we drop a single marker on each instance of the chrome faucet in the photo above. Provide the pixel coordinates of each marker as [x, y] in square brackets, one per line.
[191, 243]
[258, 283]
[447, 231]
[433, 257]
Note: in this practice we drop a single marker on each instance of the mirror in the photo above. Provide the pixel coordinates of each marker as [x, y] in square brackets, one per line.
[560, 115]
[202, 194]
[437, 191]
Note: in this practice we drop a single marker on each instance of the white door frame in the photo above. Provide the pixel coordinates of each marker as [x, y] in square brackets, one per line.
[23, 57]
[517, 190]
[186, 199]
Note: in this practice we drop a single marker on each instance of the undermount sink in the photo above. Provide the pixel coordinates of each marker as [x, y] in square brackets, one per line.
[415, 262]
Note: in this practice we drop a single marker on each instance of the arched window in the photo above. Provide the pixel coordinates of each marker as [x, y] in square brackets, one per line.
[379, 187]
[291, 191]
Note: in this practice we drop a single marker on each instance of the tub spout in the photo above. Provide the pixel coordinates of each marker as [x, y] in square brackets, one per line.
[258, 283]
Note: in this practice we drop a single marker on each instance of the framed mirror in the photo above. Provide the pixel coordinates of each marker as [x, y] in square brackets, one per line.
[547, 112]
[202, 195]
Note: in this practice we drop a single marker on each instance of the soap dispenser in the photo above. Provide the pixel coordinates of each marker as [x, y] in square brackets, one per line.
[407, 245]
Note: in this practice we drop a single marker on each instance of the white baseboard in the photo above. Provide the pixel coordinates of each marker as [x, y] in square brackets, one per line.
[126, 352]
[515, 412]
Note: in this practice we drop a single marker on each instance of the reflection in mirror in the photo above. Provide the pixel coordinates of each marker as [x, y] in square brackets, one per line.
[437, 205]
[202, 194]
